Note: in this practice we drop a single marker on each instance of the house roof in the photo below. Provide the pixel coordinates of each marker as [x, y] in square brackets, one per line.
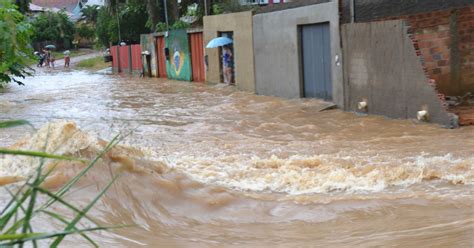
[69, 5]
[95, 2]
[36, 8]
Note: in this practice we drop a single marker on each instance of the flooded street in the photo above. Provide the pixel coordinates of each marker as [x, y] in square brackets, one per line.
[210, 166]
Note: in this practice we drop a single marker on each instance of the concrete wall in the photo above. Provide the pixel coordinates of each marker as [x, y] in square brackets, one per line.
[148, 43]
[277, 49]
[381, 65]
[241, 24]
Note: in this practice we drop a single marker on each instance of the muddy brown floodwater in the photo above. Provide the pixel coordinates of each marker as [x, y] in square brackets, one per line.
[209, 166]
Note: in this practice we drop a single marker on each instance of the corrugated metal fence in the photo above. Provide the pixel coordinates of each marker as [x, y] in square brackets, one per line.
[160, 44]
[127, 58]
[197, 56]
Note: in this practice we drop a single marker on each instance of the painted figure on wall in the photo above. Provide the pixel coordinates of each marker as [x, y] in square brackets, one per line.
[228, 65]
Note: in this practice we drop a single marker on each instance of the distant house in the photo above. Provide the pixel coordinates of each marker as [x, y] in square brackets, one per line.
[262, 2]
[94, 2]
[71, 7]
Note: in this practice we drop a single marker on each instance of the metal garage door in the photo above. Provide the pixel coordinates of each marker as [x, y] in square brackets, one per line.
[316, 58]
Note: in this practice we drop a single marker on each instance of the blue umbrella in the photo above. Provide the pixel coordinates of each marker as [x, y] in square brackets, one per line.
[50, 47]
[219, 41]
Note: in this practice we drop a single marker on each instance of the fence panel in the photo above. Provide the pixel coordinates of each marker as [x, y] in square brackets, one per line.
[113, 51]
[160, 44]
[124, 58]
[136, 57]
[197, 57]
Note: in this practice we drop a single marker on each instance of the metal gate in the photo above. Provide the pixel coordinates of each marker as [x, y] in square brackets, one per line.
[316, 59]
[197, 56]
[160, 56]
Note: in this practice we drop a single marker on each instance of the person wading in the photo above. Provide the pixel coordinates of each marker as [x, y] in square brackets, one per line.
[227, 64]
[67, 58]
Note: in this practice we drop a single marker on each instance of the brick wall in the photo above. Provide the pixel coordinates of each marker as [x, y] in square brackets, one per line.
[446, 43]
[444, 40]
[432, 38]
[465, 37]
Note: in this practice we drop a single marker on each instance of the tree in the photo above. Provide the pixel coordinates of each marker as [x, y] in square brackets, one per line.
[173, 10]
[153, 13]
[50, 26]
[132, 23]
[23, 5]
[106, 27]
[15, 49]
[155, 9]
[86, 32]
[90, 12]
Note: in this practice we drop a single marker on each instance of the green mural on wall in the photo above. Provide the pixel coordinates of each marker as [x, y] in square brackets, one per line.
[179, 64]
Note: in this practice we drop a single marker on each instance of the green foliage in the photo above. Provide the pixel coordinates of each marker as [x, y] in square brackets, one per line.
[21, 211]
[229, 6]
[23, 5]
[90, 13]
[13, 123]
[106, 27]
[217, 9]
[86, 32]
[96, 63]
[15, 49]
[160, 27]
[133, 18]
[180, 25]
[192, 10]
[49, 26]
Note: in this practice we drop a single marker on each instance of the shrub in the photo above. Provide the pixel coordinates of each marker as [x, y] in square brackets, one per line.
[50, 26]
[15, 50]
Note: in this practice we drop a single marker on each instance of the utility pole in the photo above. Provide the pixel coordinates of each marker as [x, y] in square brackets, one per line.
[352, 7]
[119, 37]
[166, 15]
[206, 11]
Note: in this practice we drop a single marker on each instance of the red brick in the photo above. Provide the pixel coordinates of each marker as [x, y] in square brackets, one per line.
[430, 65]
[426, 36]
[445, 70]
[444, 34]
[425, 44]
[436, 71]
[442, 63]
[435, 50]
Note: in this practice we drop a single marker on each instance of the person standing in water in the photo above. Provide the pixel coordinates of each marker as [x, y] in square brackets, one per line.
[67, 58]
[228, 64]
[41, 56]
[51, 59]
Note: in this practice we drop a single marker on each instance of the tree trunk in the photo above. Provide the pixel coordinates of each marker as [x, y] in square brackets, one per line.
[173, 10]
[153, 13]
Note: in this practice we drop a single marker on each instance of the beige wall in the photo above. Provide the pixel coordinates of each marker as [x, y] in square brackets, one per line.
[283, 76]
[241, 24]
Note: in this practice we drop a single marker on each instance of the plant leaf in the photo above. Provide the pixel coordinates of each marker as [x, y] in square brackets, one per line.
[14, 123]
[38, 154]
[63, 220]
[78, 217]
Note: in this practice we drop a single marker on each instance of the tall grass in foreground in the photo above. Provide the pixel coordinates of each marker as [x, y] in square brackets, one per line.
[16, 217]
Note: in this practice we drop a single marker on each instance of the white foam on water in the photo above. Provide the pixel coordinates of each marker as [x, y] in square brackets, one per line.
[295, 175]
[325, 173]
[60, 138]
